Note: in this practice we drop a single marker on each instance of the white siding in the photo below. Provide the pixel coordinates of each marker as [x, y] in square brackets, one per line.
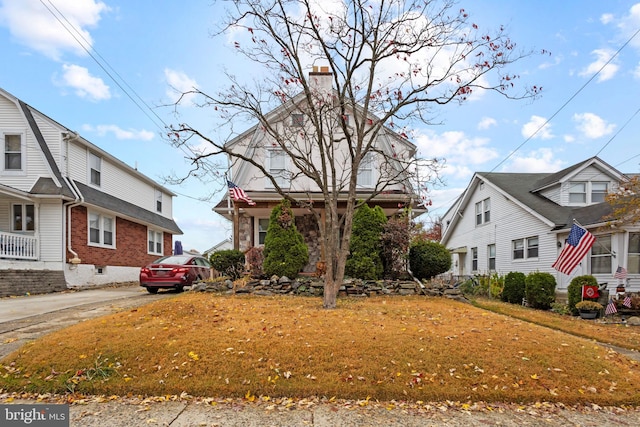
[589, 174]
[553, 193]
[50, 231]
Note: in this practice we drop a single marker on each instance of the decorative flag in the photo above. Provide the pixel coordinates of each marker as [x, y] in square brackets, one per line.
[621, 273]
[611, 308]
[590, 291]
[627, 301]
[575, 249]
[238, 193]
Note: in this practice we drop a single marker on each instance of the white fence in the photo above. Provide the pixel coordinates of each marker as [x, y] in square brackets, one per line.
[18, 246]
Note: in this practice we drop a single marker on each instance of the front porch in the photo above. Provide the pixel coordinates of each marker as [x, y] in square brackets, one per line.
[19, 246]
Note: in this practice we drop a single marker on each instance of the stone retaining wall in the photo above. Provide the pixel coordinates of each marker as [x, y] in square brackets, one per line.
[21, 282]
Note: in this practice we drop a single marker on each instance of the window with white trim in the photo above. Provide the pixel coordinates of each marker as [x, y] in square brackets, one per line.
[297, 120]
[13, 157]
[525, 248]
[23, 217]
[263, 225]
[633, 257]
[599, 191]
[155, 241]
[158, 200]
[95, 169]
[102, 230]
[277, 166]
[483, 212]
[601, 255]
[491, 257]
[366, 171]
[578, 192]
[474, 259]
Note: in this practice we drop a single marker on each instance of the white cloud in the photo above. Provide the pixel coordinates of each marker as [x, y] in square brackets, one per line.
[540, 160]
[629, 24]
[84, 84]
[487, 122]
[592, 126]
[569, 138]
[606, 18]
[537, 129]
[119, 133]
[179, 83]
[609, 70]
[461, 152]
[33, 25]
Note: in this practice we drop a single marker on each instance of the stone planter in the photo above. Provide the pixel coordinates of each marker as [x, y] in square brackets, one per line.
[589, 314]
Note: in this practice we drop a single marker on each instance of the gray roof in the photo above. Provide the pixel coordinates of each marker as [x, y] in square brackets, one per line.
[97, 198]
[521, 187]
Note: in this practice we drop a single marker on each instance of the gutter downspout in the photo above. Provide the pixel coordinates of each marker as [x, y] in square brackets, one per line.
[77, 202]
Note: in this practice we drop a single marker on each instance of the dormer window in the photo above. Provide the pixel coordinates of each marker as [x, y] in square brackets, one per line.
[95, 169]
[578, 192]
[599, 191]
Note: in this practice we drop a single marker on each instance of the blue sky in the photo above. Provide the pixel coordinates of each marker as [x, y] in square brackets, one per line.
[150, 47]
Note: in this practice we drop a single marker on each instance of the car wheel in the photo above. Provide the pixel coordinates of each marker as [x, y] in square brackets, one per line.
[179, 289]
[152, 290]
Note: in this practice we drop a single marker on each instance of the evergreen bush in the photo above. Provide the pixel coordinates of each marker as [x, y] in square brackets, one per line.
[285, 252]
[229, 262]
[365, 260]
[540, 290]
[513, 291]
[574, 290]
[427, 259]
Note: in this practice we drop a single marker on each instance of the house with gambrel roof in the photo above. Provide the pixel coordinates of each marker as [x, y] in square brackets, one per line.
[507, 222]
[71, 214]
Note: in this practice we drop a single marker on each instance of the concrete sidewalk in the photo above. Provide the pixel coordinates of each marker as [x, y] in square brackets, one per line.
[122, 412]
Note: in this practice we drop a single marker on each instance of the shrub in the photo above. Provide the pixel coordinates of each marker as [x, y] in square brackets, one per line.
[396, 236]
[496, 285]
[229, 262]
[428, 259]
[255, 258]
[588, 305]
[540, 290]
[574, 290]
[513, 291]
[285, 252]
[365, 261]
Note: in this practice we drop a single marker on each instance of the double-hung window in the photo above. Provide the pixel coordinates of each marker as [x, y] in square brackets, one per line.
[525, 248]
[633, 259]
[474, 259]
[601, 255]
[578, 192]
[158, 200]
[491, 257]
[277, 162]
[483, 212]
[599, 191]
[366, 171]
[95, 169]
[155, 239]
[102, 229]
[23, 218]
[263, 225]
[13, 158]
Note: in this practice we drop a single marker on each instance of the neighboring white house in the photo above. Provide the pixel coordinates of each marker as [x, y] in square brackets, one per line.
[225, 244]
[70, 209]
[251, 221]
[506, 222]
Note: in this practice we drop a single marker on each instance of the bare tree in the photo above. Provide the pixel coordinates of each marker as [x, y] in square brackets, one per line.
[392, 64]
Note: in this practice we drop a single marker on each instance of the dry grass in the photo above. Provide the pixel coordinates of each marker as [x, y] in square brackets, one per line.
[403, 348]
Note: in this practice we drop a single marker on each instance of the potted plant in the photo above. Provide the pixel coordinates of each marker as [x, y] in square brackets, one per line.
[589, 309]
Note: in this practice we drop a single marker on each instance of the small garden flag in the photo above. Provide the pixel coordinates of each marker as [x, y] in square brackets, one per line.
[611, 308]
[621, 273]
[627, 301]
[590, 291]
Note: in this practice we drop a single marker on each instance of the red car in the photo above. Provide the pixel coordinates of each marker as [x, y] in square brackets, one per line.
[174, 271]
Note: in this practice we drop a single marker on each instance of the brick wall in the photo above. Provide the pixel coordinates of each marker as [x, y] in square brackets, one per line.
[130, 242]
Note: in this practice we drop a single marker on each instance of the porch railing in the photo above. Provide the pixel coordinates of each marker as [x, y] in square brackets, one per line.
[18, 246]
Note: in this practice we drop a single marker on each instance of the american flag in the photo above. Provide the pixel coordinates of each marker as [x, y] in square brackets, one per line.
[627, 301]
[576, 248]
[621, 273]
[238, 193]
[611, 308]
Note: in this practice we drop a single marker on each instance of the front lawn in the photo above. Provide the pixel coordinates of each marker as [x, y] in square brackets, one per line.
[380, 348]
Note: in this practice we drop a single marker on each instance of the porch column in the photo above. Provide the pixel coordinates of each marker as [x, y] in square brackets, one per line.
[236, 227]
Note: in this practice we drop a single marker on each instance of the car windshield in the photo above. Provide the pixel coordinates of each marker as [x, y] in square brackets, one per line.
[175, 259]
